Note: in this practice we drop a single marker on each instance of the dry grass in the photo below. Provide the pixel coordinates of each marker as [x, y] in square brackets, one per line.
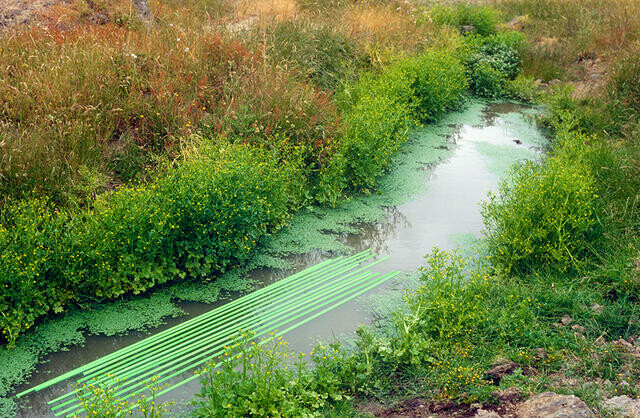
[278, 10]
[566, 32]
[90, 98]
[383, 30]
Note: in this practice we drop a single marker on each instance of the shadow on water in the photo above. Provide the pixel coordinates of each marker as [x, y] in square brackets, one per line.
[479, 154]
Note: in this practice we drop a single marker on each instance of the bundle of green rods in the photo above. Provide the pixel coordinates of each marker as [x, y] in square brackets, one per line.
[288, 303]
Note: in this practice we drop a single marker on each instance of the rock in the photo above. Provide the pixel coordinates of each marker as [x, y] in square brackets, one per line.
[627, 347]
[442, 405]
[578, 328]
[623, 406]
[517, 23]
[483, 413]
[541, 354]
[501, 369]
[467, 28]
[552, 405]
[511, 394]
[566, 320]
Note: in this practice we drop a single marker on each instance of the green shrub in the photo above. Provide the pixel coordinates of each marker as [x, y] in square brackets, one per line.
[523, 88]
[32, 249]
[483, 19]
[380, 110]
[374, 131]
[201, 218]
[263, 378]
[486, 81]
[544, 216]
[492, 61]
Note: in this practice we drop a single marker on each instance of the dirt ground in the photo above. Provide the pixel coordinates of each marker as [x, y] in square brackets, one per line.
[418, 407]
[21, 12]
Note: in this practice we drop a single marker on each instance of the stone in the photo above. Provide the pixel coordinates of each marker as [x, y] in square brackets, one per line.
[508, 395]
[578, 328]
[468, 28]
[623, 406]
[541, 354]
[552, 405]
[566, 320]
[483, 413]
[517, 23]
[501, 369]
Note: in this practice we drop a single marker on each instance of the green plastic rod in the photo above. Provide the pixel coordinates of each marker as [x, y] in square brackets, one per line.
[229, 320]
[192, 322]
[130, 384]
[310, 318]
[240, 322]
[267, 328]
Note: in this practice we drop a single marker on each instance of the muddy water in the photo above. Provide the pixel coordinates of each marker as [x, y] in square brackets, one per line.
[445, 213]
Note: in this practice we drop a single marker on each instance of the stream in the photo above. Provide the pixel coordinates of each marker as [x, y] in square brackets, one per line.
[473, 149]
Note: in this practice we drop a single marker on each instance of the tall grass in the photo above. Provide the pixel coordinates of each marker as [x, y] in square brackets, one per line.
[564, 31]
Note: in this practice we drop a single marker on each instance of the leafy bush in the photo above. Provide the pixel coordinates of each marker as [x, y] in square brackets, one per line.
[32, 244]
[200, 218]
[523, 88]
[374, 131]
[492, 61]
[263, 378]
[544, 216]
[486, 81]
[483, 19]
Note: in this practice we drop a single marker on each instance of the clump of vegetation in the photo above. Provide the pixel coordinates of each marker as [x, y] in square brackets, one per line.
[625, 85]
[203, 216]
[469, 18]
[493, 61]
[98, 400]
[260, 378]
[544, 215]
[327, 57]
[381, 108]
